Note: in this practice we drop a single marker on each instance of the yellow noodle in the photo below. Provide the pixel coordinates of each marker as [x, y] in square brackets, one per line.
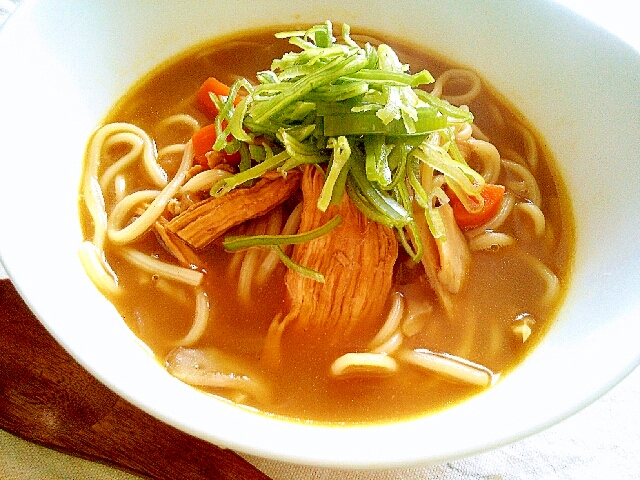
[139, 226]
[390, 346]
[497, 117]
[478, 133]
[536, 216]
[247, 270]
[530, 146]
[392, 322]
[149, 155]
[97, 269]
[364, 364]
[94, 200]
[551, 281]
[171, 149]
[238, 397]
[514, 156]
[168, 288]
[251, 261]
[162, 269]
[119, 187]
[214, 369]
[269, 258]
[272, 259]
[550, 235]
[506, 207]
[414, 322]
[490, 158]
[274, 223]
[121, 212]
[136, 145]
[490, 240]
[528, 187]
[449, 365]
[463, 132]
[470, 329]
[235, 263]
[180, 118]
[458, 75]
[496, 339]
[204, 180]
[200, 319]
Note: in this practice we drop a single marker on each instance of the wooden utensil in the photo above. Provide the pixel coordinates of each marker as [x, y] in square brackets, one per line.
[48, 398]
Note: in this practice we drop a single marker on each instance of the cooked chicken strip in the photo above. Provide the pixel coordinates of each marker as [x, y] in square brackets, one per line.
[446, 263]
[356, 259]
[205, 221]
[455, 256]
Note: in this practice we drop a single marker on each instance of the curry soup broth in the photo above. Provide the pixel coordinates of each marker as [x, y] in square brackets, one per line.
[501, 284]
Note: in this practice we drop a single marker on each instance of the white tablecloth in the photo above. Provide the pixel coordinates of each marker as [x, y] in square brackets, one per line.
[601, 441]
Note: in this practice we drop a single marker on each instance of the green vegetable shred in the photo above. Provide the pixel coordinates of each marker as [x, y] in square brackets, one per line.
[357, 111]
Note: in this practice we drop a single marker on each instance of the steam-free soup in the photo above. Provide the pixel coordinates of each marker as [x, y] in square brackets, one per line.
[390, 262]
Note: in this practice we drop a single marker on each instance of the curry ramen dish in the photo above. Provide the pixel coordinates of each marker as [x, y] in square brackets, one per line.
[324, 227]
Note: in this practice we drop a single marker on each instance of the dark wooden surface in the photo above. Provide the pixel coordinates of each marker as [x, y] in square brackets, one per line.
[48, 398]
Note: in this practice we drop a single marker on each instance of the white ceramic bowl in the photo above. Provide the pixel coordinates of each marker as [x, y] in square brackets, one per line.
[64, 66]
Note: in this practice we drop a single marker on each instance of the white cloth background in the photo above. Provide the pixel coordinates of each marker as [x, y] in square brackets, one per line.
[601, 441]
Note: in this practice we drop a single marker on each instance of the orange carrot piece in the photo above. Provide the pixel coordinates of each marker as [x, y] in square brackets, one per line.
[203, 141]
[215, 86]
[492, 195]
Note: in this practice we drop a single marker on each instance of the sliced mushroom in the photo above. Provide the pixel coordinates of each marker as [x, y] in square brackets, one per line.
[212, 368]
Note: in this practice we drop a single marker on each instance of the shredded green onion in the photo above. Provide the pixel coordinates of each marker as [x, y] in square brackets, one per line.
[357, 111]
[413, 247]
[229, 183]
[299, 269]
[395, 213]
[341, 153]
[238, 242]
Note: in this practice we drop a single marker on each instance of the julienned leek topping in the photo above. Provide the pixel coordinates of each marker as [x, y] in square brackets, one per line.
[357, 112]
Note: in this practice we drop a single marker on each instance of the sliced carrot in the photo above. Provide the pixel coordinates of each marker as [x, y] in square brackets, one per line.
[203, 141]
[215, 86]
[492, 195]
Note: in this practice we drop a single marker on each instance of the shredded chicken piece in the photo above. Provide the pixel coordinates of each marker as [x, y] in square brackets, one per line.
[193, 171]
[205, 221]
[455, 256]
[180, 250]
[446, 263]
[431, 261]
[174, 245]
[356, 259]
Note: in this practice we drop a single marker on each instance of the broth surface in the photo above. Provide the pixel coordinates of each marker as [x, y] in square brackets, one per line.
[501, 285]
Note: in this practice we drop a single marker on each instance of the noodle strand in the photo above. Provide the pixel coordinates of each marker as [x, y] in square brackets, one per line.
[151, 214]
[200, 319]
